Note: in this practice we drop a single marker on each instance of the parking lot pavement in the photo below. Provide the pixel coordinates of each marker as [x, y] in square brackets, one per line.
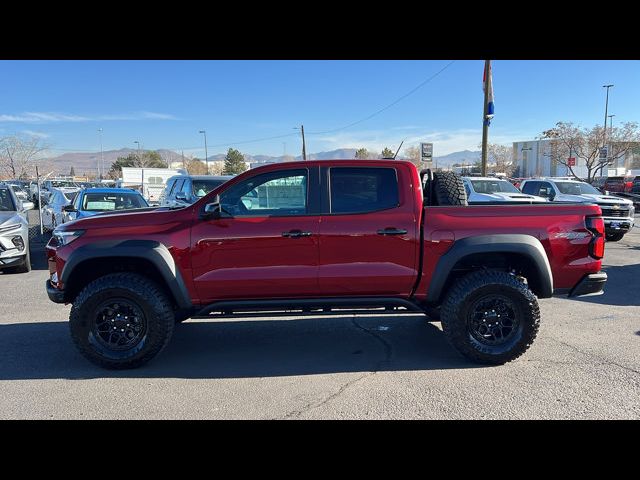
[585, 363]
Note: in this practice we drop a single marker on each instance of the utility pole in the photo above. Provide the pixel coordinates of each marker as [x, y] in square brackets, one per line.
[206, 153]
[304, 146]
[485, 120]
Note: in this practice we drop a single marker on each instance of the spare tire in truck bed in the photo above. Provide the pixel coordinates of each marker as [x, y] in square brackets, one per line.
[447, 189]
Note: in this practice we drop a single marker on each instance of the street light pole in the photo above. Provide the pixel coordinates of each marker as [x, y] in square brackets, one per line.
[206, 153]
[611, 124]
[606, 107]
[101, 169]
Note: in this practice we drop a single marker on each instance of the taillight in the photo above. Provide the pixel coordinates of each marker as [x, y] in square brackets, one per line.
[596, 227]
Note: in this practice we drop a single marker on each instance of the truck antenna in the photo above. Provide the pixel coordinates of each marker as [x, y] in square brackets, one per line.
[394, 157]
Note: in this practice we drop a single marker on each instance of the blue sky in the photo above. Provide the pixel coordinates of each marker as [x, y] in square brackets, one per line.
[163, 104]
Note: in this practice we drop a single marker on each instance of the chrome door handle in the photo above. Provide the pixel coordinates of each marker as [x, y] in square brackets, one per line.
[296, 234]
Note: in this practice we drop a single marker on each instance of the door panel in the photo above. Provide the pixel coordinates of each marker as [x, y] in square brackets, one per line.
[368, 253]
[268, 249]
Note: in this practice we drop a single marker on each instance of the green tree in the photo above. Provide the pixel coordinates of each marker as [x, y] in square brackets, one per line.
[386, 153]
[72, 173]
[234, 162]
[362, 154]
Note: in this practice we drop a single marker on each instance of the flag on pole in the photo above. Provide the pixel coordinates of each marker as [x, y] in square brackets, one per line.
[488, 83]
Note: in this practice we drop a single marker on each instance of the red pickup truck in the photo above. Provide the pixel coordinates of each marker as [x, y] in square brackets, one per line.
[322, 237]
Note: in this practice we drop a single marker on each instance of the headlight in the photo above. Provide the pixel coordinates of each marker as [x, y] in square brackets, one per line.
[64, 237]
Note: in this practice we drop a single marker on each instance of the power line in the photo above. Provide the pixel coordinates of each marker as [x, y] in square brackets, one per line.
[390, 105]
[275, 137]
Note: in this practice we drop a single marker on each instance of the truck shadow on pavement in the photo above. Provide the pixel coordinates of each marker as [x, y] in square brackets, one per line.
[622, 287]
[243, 348]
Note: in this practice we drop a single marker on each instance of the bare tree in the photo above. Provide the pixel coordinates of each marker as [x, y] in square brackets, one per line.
[195, 166]
[502, 157]
[570, 140]
[19, 154]
[413, 154]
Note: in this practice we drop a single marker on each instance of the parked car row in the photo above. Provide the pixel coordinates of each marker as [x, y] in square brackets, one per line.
[14, 232]
[68, 204]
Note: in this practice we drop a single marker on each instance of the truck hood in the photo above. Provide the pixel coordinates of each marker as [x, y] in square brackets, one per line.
[593, 198]
[138, 217]
[505, 197]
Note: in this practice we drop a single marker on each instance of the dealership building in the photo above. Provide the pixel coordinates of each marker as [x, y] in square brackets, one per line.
[532, 159]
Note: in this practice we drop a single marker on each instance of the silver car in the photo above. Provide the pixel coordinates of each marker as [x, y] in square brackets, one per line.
[14, 232]
[53, 213]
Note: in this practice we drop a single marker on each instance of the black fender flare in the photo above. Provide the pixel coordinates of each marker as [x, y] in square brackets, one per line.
[521, 244]
[151, 250]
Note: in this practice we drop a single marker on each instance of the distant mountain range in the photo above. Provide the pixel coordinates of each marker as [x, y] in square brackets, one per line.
[87, 162]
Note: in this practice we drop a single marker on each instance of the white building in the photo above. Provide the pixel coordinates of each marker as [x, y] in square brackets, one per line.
[532, 159]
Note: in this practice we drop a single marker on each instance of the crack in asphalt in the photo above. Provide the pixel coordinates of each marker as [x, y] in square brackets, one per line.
[388, 354]
[603, 360]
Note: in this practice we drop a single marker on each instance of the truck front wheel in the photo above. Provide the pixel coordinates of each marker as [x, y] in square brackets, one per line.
[490, 317]
[121, 320]
[614, 237]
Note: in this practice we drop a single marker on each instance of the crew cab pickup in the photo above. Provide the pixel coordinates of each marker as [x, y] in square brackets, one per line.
[323, 237]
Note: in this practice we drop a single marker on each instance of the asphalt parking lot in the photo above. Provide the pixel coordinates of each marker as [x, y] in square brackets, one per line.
[585, 364]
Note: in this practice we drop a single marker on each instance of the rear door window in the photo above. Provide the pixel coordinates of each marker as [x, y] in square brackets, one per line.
[362, 189]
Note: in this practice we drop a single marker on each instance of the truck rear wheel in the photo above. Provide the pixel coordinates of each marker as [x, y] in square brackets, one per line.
[121, 320]
[490, 317]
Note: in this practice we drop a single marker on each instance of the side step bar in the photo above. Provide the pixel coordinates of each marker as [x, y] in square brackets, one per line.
[308, 306]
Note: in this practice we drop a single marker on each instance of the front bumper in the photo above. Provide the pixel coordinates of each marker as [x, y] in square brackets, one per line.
[55, 295]
[592, 284]
[7, 262]
[615, 224]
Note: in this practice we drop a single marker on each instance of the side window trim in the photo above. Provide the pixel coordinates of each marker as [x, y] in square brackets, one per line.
[309, 173]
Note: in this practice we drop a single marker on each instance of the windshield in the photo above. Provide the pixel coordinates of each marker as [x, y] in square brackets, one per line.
[576, 188]
[493, 186]
[57, 184]
[202, 187]
[6, 202]
[71, 196]
[104, 202]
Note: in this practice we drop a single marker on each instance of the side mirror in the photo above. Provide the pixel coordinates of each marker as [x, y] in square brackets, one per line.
[213, 209]
[181, 196]
[27, 205]
[69, 208]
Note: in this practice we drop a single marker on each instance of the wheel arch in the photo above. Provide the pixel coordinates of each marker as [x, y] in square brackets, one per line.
[147, 257]
[520, 252]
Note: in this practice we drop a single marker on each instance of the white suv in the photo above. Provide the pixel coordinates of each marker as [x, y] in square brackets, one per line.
[492, 189]
[617, 212]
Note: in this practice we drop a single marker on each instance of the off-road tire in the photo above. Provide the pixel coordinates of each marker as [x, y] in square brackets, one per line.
[448, 189]
[136, 289]
[470, 290]
[614, 237]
